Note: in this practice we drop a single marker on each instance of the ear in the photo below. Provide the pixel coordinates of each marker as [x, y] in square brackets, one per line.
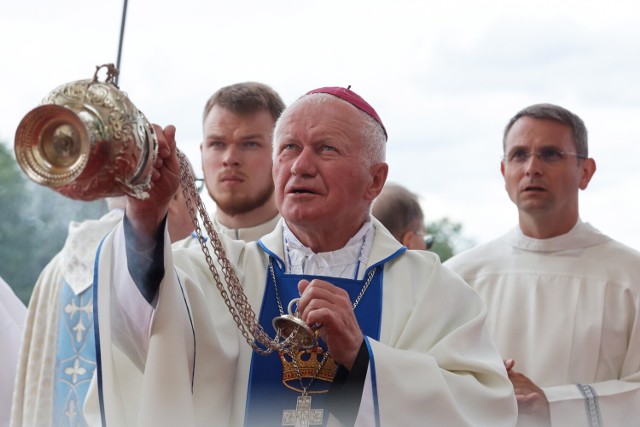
[502, 168]
[407, 237]
[379, 174]
[588, 168]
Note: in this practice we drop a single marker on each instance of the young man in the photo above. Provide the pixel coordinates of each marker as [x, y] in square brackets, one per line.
[562, 297]
[238, 123]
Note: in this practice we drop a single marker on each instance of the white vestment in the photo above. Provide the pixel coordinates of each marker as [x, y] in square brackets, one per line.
[12, 317]
[434, 363]
[247, 234]
[50, 320]
[567, 310]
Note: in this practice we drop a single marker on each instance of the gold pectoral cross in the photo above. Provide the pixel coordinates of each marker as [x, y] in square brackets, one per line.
[303, 415]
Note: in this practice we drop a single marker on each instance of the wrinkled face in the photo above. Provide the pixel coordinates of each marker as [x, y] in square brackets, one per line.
[236, 159]
[321, 177]
[546, 184]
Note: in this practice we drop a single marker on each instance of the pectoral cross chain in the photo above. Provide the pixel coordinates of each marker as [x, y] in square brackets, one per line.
[303, 415]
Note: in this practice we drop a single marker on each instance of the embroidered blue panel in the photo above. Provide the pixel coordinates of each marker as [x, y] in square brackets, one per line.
[75, 356]
[265, 403]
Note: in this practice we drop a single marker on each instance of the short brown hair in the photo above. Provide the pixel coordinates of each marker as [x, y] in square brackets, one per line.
[247, 97]
[558, 114]
[398, 209]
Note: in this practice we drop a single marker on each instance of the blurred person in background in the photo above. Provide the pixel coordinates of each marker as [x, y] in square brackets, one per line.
[399, 210]
[12, 318]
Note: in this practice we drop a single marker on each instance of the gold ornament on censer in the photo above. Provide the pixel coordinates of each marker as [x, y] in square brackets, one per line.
[88, 141]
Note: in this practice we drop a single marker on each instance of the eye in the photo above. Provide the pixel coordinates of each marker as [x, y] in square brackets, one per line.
[519, 155]
[286, 148]
[550, 155]
[251, 144]
[327, 148]
[215, 144]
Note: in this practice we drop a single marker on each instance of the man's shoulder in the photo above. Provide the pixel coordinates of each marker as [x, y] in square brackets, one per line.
[482, 253]
[618, 255]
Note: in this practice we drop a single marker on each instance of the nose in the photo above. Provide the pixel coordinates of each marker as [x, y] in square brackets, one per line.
[533, 165]
[304, 164]
[231, 156]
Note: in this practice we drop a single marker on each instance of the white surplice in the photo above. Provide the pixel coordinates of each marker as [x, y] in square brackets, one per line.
[567, 310]
[434, 363]
[12, 316]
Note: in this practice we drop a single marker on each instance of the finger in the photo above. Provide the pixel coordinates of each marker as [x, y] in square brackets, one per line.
[163, 148]
[312, 291]
[509, 364]
[319, 289]
[302, 285]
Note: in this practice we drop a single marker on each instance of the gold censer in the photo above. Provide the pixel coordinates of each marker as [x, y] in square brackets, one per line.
[88, 141]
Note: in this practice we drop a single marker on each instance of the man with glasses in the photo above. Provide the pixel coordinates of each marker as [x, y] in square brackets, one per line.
[563, 298]
[399, 211]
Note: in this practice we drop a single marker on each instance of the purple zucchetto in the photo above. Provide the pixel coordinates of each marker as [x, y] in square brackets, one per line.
[352, 98]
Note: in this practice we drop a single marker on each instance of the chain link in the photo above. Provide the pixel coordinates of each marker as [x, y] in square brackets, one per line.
[233, 295]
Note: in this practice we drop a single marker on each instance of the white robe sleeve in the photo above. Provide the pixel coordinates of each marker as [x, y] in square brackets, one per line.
[443, 368]
[613, 401]
[131, 315]
[148, 356]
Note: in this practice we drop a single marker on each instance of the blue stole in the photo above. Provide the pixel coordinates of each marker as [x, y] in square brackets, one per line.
[267, 396]
[75, 356]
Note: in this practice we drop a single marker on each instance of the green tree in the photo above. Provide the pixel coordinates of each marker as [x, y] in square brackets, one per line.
[33, 224]
[448, 238]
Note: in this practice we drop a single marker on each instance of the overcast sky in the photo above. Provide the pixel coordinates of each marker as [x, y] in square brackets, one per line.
[445, 77]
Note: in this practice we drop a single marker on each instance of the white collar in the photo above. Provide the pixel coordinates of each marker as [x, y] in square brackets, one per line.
[344, 262]
[582, 235]
[247, 234]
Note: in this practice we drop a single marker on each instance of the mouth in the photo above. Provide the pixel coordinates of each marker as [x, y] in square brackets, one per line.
[231, 178]
[300, 190]
[533, 188]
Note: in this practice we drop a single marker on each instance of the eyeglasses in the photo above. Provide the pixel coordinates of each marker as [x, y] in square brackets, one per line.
[199, 183]
[547, 155]
[429, 240]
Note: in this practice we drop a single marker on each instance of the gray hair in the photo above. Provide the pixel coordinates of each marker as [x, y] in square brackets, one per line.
[373, 137]
[558, 114]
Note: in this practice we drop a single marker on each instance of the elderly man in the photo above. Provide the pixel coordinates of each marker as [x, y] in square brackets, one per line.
[401, 340]
[563, 298]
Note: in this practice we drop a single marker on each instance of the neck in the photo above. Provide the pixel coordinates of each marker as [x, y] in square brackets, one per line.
[253, 218]
[325, 240]
[548, 227]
